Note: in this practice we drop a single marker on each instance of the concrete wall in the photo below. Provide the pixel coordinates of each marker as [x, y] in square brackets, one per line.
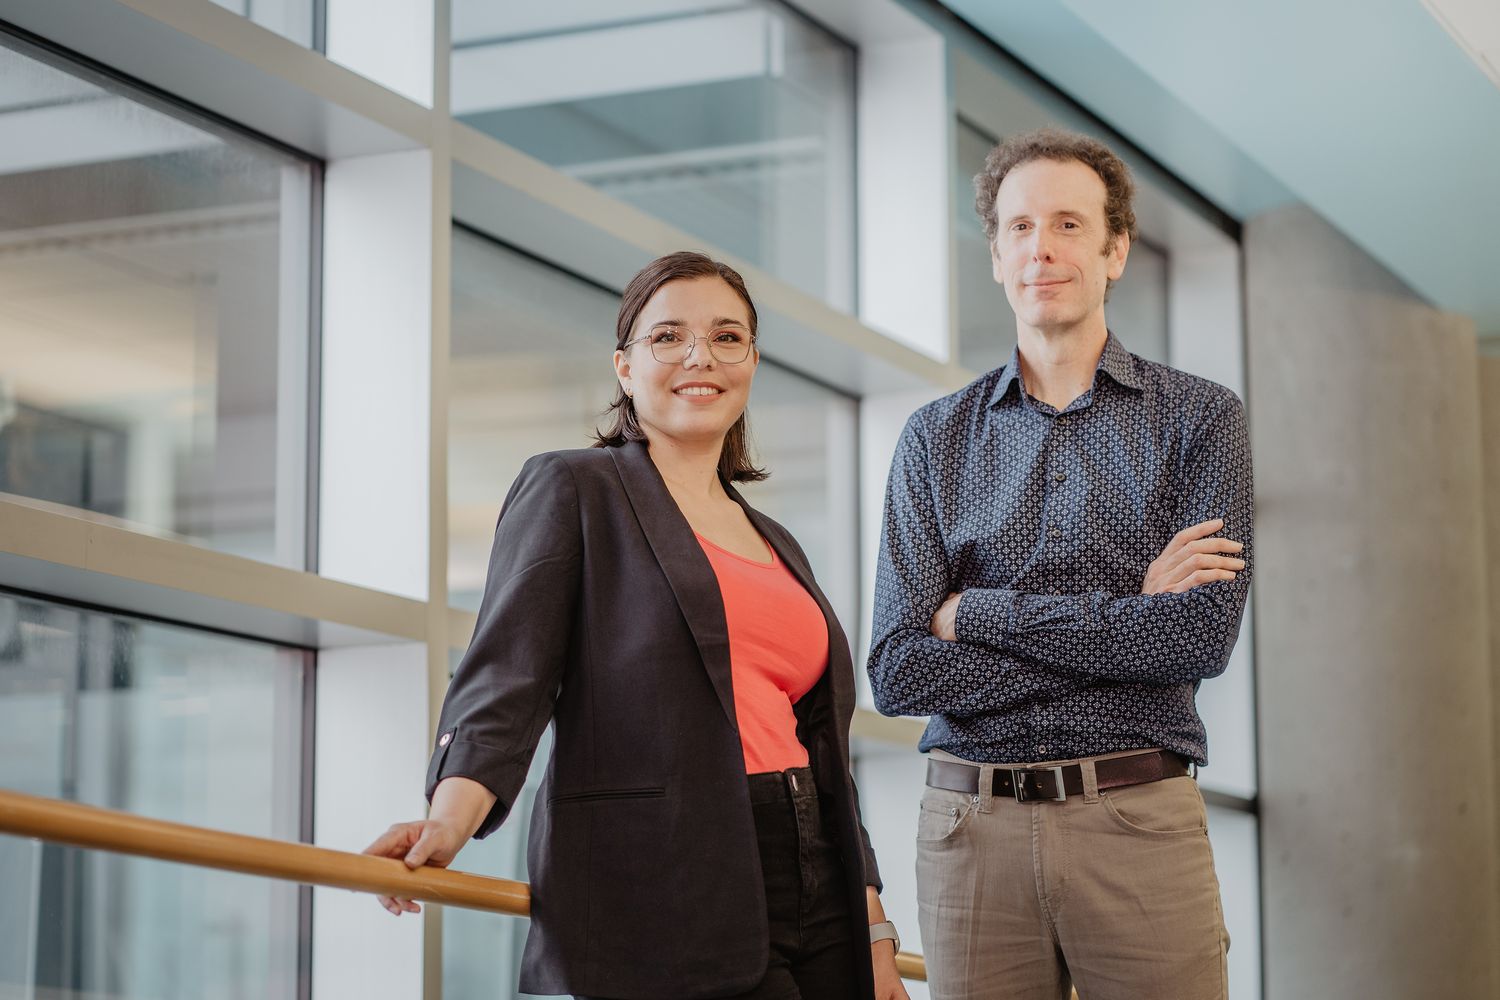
[1377, 775]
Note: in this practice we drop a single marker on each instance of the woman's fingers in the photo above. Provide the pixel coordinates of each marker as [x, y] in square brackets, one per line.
[396, 905]
[402, 841]
[420, 851]
[436, 845]
[394, 842]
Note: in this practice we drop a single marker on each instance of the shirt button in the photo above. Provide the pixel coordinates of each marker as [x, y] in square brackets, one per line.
[1055, 533]
[1041, 748]
[445, 740]
[1060, 477]
[1056, 592]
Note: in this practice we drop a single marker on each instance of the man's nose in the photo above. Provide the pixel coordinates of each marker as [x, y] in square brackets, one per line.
[1041, 249]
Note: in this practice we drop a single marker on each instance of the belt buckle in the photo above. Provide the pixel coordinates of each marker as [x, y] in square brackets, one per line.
[1018, 783]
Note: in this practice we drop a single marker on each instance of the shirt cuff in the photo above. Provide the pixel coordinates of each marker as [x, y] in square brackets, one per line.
[984, 617]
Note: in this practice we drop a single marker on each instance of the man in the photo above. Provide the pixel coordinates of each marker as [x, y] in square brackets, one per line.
[1065, 557]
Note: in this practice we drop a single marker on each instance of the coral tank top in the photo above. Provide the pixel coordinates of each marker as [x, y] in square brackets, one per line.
[778, 649]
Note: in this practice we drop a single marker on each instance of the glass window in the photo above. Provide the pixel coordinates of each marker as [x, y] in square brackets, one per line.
[154, 277]
[531, 372]
[290, 18]
[733, 121]
[986, 325]
[1137, 307]
[482, 951]
[162, 721]
[1236, 843]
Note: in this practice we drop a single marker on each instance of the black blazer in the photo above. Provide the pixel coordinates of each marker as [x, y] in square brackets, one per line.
[602, 615]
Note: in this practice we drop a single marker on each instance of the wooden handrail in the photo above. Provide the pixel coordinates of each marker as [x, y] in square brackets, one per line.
[126, 833]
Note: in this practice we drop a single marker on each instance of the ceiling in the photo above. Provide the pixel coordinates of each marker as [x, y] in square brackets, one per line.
[1372, 114]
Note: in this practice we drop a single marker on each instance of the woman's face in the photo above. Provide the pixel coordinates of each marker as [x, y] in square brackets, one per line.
[700, 397]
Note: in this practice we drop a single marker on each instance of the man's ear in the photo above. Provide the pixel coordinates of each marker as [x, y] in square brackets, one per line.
[1117, 255]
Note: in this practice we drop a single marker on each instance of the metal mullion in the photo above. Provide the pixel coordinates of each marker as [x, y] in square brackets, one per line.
[440, 340]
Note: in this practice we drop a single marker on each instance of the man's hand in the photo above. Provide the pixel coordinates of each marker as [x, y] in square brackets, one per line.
[1191, 559]
[945, 619]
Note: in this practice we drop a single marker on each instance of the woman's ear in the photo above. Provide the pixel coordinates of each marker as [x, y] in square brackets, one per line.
[622, 372]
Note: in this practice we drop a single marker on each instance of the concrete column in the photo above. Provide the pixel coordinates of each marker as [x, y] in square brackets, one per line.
[1377, 781]
[1489, 406]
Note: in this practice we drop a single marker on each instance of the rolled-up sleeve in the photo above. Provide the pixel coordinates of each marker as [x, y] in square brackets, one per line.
[502, 695]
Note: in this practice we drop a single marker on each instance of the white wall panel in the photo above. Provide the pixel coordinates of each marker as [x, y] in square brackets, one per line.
[376, 367]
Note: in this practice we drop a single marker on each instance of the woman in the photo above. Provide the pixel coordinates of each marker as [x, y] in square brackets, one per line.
[697, 833]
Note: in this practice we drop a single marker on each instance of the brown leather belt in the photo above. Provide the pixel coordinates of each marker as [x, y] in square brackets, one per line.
[1034, 784]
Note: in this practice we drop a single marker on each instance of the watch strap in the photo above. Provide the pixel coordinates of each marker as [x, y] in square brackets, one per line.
[885, 931]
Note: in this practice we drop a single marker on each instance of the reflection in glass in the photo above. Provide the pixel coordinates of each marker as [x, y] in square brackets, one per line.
[165, 722]
[154, 275]
[1137, 307]
[733, 121]
[530, 372]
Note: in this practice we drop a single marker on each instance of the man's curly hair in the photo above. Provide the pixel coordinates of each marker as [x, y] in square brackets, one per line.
[1056, 144]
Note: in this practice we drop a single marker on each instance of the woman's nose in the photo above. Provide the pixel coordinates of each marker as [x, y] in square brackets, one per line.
[698, 358]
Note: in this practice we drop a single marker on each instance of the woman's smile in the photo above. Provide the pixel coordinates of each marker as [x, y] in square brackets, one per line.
[701, 392]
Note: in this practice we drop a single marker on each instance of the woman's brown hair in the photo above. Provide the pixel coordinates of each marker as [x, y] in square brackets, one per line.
[735, 465]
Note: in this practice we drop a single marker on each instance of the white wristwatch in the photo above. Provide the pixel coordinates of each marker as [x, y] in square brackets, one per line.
[885, 931]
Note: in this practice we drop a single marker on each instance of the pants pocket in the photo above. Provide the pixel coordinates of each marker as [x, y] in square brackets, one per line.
[1172, 807]
[942, 815]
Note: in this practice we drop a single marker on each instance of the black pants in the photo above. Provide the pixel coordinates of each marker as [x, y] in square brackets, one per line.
[813, 949]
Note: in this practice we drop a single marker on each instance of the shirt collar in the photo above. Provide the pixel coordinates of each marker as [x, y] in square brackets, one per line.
[1115, 361]
[1118, 364]
[1010, 373]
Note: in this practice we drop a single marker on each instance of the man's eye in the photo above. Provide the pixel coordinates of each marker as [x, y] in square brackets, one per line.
[1070, 225]
[1018, 227]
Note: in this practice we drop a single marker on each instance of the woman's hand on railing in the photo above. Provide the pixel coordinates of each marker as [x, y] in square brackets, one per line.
[883, 953]
[888, 985]
[425, 842]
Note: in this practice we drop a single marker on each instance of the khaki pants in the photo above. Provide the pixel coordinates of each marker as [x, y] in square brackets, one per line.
[1113, 892]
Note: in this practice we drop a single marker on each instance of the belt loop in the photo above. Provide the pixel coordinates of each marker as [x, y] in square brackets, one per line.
[1090, 780]
[986, 794]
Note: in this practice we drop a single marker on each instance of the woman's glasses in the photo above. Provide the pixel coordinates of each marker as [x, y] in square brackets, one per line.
[671, 345]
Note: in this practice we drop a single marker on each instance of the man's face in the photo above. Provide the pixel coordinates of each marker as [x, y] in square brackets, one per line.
[1049, 246]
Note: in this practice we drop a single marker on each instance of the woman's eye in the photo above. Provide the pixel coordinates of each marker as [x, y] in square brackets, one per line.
[728, 337]
[665, 337]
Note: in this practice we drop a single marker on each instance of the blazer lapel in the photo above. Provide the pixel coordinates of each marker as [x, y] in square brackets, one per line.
[687, 569]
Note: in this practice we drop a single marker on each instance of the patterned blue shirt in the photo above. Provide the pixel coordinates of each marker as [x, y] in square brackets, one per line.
[1046, 521]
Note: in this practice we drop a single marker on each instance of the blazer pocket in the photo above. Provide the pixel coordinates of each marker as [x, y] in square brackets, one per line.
[609, 793]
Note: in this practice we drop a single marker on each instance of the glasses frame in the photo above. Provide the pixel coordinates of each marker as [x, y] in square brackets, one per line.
[691, 348]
